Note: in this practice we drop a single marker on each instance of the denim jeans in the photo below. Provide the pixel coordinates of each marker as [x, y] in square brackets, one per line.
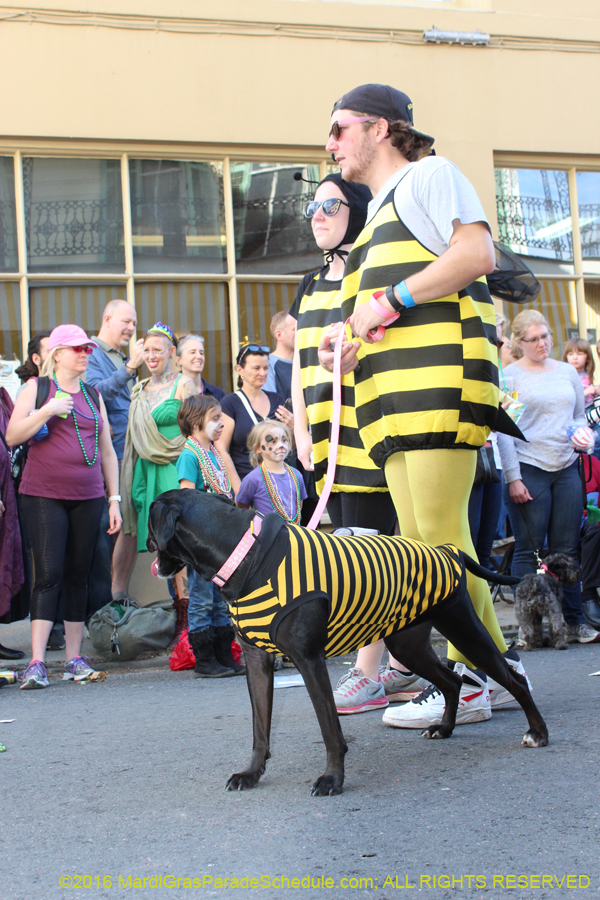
[207, 608]
[554, 513]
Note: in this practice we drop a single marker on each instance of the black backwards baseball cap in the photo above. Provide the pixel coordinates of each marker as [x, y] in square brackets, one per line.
[382, 101]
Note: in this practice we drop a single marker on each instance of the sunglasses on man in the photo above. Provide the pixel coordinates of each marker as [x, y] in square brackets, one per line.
[252, 348]
[338, 127]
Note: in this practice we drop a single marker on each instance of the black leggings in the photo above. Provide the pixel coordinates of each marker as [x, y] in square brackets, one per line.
[62, 534]
[362, 509]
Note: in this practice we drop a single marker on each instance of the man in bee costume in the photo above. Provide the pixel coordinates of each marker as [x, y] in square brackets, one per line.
[426, 394]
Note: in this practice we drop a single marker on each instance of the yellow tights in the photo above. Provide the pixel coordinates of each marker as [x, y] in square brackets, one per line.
[430, 490]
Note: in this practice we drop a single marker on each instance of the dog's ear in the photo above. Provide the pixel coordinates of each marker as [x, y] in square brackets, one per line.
[164, 521]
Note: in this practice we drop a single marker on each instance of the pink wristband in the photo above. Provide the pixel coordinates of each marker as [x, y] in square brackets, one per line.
[378, 333]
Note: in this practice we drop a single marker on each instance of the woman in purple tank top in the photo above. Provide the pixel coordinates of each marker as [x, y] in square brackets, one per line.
[70, 458]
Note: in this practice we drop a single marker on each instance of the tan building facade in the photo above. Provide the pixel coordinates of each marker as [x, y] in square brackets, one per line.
[151, 156]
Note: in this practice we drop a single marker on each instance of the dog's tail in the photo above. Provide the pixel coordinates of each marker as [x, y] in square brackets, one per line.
[487, 574]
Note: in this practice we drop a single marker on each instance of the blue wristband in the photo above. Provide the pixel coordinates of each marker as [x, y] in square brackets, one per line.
[405, 294]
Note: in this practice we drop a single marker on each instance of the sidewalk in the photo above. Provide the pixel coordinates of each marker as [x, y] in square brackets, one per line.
[18, 637]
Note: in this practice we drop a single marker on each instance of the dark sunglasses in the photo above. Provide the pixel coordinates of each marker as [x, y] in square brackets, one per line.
[330, 207]
[252, 348]
[89, 350]
[338, 127]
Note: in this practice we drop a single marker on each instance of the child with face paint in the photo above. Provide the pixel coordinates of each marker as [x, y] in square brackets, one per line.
[201, 468]
[272, 486]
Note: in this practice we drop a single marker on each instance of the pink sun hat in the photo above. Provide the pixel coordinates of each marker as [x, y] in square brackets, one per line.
[69, 336]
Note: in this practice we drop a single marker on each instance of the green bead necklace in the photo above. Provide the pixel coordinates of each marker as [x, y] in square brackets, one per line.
[95, 415]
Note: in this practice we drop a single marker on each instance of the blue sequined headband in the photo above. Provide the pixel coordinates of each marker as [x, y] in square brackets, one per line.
[164, 329]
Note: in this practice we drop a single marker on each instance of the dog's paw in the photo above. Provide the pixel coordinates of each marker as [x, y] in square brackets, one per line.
[437, 732]
[561, 645]
[242, 781]
[327, 786]
[534, 738]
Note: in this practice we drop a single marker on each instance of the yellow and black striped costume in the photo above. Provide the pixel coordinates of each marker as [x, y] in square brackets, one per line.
[375, 586]
[432, 382]
[320, 306]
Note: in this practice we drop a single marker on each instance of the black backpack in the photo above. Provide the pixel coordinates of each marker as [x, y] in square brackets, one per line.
[19, 453]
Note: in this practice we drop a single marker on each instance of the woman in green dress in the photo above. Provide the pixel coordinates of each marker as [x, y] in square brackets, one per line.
[153, 442]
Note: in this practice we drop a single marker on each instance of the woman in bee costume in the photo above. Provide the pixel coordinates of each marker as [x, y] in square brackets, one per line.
[359, 496]
[426, 394]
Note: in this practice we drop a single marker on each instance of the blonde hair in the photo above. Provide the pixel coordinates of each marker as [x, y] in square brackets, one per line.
[49, 367]
[255, 438]
[502, 323]
[525, 320]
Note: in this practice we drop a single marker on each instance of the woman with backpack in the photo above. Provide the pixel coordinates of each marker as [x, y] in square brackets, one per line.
[69, 460]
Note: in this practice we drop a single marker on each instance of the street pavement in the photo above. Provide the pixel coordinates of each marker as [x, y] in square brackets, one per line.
[118, 789]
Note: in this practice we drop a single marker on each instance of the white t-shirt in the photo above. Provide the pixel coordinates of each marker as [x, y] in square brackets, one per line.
[429, 196]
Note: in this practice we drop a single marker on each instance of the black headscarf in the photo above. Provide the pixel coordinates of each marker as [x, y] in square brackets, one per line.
[358, 196]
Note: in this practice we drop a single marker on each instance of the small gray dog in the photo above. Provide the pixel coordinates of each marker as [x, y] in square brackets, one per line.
[540, 595]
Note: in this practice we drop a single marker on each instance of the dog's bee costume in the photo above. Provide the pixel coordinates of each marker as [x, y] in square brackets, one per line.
[375, 586]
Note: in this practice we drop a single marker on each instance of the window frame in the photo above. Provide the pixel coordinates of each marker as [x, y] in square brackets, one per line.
[226, 154]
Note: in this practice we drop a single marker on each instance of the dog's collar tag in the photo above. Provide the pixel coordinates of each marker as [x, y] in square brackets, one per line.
[239, 554]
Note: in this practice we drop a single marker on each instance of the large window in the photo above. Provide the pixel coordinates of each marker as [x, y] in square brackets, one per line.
[271, 234]
[73, 215]
[588, 199]
[534, 216]
[551, 217]
[177, 216]
[212, 246]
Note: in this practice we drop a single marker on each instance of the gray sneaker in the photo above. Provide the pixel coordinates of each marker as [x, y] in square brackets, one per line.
[80, 668]
[355, 693]
[401, 686]
[583, 634]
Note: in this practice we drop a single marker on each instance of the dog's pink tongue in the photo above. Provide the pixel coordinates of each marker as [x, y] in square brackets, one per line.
[154, 568]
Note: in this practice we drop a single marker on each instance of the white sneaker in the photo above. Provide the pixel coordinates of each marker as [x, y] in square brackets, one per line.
[355, 693]
[428, 708]
[499, 696]
[401, 686]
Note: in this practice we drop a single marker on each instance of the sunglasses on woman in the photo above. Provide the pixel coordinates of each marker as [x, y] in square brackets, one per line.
[252, 348]
[87, 349]
[330, 207]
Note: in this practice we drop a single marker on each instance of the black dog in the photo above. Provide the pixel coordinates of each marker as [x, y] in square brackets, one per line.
[540, 595]
[203, 531]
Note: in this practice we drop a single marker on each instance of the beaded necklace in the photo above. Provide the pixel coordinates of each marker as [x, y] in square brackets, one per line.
[275, 498]
[215, 478]
[95, 417]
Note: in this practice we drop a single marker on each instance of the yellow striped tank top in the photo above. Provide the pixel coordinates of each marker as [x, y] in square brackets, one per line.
[320, 306]
[432, 382]
[375, 586]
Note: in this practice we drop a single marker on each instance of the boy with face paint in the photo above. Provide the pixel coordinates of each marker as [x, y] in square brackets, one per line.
[272, 486]
[201, 468]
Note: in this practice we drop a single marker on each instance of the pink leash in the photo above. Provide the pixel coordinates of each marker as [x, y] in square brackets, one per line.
[377, 334]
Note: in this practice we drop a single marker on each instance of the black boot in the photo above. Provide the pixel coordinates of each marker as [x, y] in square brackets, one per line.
[591, 611]
[224, 635]
[206, 663]
[7, 653]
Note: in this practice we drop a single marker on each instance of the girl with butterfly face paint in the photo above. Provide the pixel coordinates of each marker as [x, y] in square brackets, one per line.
[272, 486]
